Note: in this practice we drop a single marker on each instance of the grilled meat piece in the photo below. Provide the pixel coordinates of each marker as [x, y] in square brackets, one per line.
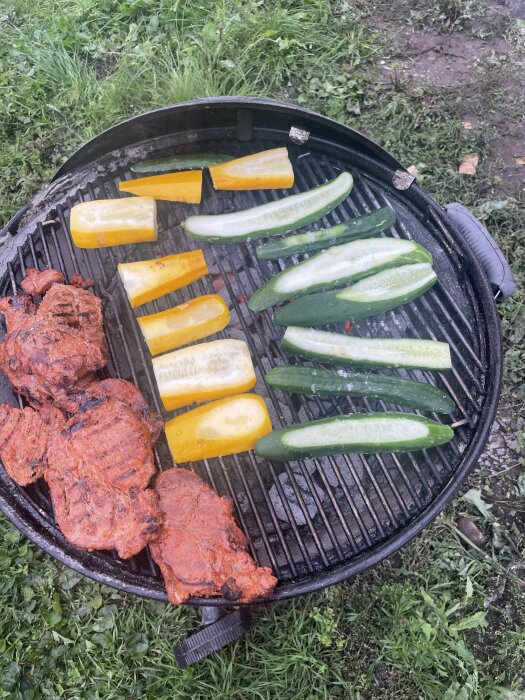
[17, 311]
[200, 550]
[53, 350]
[24, 438]
[38, 282]
[99, 466]
[85, 282]
[123, 391]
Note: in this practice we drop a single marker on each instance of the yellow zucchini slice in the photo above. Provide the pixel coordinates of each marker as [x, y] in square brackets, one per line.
[204, 372]
[173, 187]
[217, 429]
[107, 222]
[194, 320]
[150, 279]
[266, 170]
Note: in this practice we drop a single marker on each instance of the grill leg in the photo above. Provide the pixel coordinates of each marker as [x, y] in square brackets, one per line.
[219, 630]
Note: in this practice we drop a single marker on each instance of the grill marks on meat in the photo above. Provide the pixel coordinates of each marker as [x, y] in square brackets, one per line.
[127, 393]
[99, 467]
[53, 350]
[98, 463]
[200, 550]
[24, 438]
[36, 282]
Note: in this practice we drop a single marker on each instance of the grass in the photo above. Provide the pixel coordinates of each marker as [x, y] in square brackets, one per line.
[442, 619]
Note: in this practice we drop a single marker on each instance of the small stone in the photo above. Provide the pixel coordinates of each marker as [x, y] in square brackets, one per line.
[471, 531]
[497, 441]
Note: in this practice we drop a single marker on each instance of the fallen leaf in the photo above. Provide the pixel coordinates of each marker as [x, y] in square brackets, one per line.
[520, 160]
[469, 164]
[473, 496]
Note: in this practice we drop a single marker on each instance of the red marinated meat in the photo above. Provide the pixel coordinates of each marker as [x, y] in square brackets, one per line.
[123, 391]
[38, 282]
[54, 349]
[200, 550]
[24, 438]
[99, 467]
[78, 281]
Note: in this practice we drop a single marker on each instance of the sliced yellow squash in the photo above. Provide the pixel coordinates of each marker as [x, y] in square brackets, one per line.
[260, 171]
[150, 279]
[204, 372]
[108, 222]
[219, 428]
[194, 320]
[173, 187]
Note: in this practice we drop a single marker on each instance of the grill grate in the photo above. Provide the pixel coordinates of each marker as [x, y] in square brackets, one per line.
[302, 517]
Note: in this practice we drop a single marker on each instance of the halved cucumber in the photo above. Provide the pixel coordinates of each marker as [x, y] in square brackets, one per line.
[357, 432]
[343, 263]
[314, 381]
[286, 214]
[311, 241]
[341, 349]
[370, 296]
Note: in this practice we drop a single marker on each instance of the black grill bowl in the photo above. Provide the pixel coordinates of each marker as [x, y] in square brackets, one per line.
[316, 522]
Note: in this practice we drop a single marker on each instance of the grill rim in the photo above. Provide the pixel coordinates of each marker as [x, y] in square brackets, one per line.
[38, 531]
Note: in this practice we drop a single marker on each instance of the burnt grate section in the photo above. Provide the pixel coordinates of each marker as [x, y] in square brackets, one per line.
[302, 517]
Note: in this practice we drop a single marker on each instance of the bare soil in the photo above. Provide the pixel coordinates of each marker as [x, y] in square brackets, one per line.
[491, 66]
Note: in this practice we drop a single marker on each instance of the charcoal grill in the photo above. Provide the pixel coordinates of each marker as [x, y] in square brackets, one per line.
[317, 522]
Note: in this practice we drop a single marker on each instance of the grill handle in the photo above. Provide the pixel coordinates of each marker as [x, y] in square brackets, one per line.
[485, 248]
[219, 630]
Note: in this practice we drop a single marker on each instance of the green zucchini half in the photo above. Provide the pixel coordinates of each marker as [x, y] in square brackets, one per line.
[341, 349]
[356, 432]
[285, 214]
[312, 241]
[368, 297]
[189, 161]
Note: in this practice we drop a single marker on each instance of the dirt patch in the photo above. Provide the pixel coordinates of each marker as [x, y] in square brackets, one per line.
[443, 60]
[485, 70]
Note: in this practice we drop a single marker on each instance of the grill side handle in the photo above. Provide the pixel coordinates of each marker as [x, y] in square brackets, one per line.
[218, 631]
[485, 248]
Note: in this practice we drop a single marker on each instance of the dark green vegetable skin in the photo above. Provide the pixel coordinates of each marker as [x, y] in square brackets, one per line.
[190, 161]
[312, 241]
[327, 382]
[267, 296]
[271, 446]
[324, 307]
